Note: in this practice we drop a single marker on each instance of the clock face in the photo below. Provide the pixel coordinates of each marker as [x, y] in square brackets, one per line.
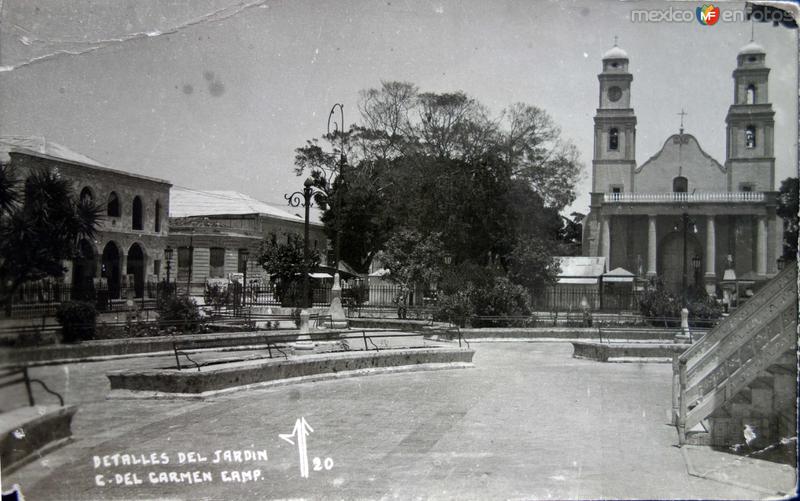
[614, 93]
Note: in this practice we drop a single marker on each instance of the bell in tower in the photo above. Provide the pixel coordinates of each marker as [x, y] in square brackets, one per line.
[750, 158]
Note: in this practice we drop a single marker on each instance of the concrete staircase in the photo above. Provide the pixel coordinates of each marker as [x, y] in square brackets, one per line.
[739, 383]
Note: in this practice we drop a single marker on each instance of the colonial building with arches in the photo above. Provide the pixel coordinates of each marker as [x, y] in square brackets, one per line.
[127, 252]
[682, 215]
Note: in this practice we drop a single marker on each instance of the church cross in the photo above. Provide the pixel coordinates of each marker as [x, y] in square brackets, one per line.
[682, 114]
[615, 40]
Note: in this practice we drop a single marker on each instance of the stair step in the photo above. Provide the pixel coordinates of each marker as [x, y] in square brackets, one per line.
[776, 369]
[788, 358]
[762, 383]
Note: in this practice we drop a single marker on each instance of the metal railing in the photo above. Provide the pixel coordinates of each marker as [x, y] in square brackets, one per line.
[280, 342]
[697, 197]
[731, 355]
[24, 378]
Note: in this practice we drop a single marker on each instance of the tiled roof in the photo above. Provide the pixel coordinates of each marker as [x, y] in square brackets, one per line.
[39, 146]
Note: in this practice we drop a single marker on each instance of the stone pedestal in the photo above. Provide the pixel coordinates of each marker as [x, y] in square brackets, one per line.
[304, 339]
[338, 318]
[684, 336]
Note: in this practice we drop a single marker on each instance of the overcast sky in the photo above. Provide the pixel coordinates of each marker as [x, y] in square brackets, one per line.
[217, 94]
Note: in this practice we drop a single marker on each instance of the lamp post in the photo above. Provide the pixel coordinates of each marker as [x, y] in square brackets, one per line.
[340, 178]
[168, 257]
[244, 253]
[686, 220]
[297, 199]
[696, 261]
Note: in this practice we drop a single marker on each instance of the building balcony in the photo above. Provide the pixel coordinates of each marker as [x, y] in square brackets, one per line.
[733, 203]
[684, 198]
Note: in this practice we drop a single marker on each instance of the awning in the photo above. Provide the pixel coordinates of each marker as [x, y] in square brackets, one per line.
[618, 275]
[580, 270]
[577, 281]
[320, 275]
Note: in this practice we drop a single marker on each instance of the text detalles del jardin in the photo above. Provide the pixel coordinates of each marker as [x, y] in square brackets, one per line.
[115, 469]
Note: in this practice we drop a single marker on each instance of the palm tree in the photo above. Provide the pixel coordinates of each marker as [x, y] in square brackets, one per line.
[41, 223]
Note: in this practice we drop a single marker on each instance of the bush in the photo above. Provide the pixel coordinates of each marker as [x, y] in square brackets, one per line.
[180, 312]
[77, 319]
[355, 295]
[455, 307]
[503, 299]
[217, 295]
[165, 290]
[704, 310]
[291, 294]
[496, 298]
[657, 302]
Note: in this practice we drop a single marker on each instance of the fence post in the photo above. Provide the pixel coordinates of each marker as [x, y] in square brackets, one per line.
[682, 403]
[28, 385]
[676, 389]
[364, 334]
[177, 359]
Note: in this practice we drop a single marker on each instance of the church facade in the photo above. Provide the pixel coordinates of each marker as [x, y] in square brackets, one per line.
[682, 215]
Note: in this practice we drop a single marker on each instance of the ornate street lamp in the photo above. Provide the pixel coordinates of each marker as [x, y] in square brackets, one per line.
[297, 199]
[340, 178]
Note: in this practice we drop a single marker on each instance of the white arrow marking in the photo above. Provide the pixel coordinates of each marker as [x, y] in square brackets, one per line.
[301, 430]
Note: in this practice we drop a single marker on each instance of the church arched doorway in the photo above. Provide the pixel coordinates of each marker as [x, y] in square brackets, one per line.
[136, 268]
[670, 260]
[110, 269]
[83, 267]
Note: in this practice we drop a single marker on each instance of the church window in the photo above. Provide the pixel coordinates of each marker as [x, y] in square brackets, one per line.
[616, 190]
[745, 187]
[680, 185]
[751, 94]
[113, 209]
[613, 139]
[750, 137]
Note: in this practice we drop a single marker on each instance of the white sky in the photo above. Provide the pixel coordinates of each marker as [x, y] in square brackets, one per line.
[216, 94]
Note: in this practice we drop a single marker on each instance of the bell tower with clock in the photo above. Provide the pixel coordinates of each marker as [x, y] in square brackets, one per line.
[614, 159]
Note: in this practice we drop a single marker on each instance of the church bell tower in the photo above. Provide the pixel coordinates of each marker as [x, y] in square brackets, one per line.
[614, 127]
[750, 157]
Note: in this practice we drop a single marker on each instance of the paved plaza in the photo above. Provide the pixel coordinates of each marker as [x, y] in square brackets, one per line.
[528, 422]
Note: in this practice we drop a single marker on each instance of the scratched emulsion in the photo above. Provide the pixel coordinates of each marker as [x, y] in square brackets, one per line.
[280, 65]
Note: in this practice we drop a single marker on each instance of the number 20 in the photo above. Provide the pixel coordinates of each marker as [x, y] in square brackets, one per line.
[319, 465]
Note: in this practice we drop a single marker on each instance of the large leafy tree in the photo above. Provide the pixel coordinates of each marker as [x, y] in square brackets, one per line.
[439, 164]
[41, 223]
[787, 209]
